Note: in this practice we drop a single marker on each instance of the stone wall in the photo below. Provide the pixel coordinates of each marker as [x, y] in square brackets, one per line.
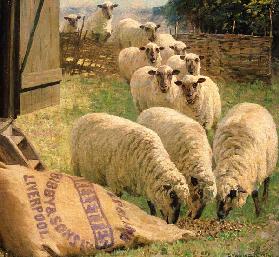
[238, 58]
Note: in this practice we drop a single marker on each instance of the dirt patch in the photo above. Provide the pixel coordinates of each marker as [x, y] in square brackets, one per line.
[205, 228]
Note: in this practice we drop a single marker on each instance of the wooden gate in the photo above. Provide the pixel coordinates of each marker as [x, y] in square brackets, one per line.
[29, 71]
[31, 56]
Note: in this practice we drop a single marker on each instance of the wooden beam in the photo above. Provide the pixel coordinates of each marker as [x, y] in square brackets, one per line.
[9, 61]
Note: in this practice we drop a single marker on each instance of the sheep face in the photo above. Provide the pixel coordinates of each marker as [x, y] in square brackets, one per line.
[171, 209]
[72, 19]
[164, 75]
[150, 30]
[225, 205]
[193, 63]
[197, 199]
[179, 48]
[190, 87]
[152, 52]
[107, 9]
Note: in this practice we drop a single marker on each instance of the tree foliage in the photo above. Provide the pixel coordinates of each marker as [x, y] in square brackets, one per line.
[223, 16]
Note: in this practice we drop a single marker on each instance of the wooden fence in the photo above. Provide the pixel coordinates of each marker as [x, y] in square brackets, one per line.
[79, 55]
[238, 58]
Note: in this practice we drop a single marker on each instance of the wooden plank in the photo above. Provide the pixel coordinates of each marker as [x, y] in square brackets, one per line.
[9, 61]
[44, 60]
[40, 78]
[39, 98]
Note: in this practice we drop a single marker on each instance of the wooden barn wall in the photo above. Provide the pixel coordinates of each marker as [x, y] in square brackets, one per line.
[238, 58]
[43, 65]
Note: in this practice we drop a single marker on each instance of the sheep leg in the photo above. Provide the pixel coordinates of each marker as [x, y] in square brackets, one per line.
[152, 208]
[266, 189]
[255, 196]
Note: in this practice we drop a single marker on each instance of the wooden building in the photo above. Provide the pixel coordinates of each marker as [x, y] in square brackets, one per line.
[30, 71]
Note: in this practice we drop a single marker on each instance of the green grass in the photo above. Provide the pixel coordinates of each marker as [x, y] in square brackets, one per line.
[49, 130]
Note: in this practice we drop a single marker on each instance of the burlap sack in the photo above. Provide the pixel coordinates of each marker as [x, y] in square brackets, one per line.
[53, 214]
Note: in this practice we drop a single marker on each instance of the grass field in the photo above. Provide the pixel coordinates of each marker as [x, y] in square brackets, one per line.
[49, 130]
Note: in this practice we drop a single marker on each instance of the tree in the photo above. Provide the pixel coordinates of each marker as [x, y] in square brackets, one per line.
[223, 16]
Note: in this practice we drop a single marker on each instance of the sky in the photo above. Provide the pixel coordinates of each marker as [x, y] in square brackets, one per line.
[123, 3]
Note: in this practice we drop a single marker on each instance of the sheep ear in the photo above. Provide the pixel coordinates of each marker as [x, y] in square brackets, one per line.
[167, 187]
[100, 5]
[115, 5]
[175, 72]
[194, 181]
[142, 48]
[152, 72]
[241, 190]
[201, 57]
[161, 48]
[188, 47]
[178, 83]
[182, 57]
[79, 17]
[158, 26]
[172, 47]
[66, 18]
[142, 26]
[201, 80]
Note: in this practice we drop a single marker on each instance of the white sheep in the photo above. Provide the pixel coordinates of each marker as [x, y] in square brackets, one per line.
[71, 23]
[186, 142]
[172, 47]
[115, 152]
[154, 87]
[189, 63]
[99, 24]
[130, 32]
[132, 58]
[245, 151]
[199, 99]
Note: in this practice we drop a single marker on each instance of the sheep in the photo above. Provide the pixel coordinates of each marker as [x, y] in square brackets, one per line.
[153, 87]
[130, 32]
[186, 142]
[132, 58]
[115, 152]
[99, 24]
[199, 99]
[188, 64]
[245, 151]
[71, 23]
[172, 47]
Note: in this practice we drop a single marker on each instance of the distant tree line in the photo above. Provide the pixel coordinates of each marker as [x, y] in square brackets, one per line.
[251, 17]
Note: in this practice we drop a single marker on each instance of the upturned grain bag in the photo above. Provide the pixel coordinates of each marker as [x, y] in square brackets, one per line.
[54, 214]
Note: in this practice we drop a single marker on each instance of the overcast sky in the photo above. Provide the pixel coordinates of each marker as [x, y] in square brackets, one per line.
[123, 3]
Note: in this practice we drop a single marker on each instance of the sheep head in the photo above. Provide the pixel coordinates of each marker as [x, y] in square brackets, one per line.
[72, 20]
[190, 87]
[179, 48]
[107, 9]
[150, 30]
[198, 202]
[230, 201]
[193, 63]
[171, 210]
[152, 52]
[164, 75]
